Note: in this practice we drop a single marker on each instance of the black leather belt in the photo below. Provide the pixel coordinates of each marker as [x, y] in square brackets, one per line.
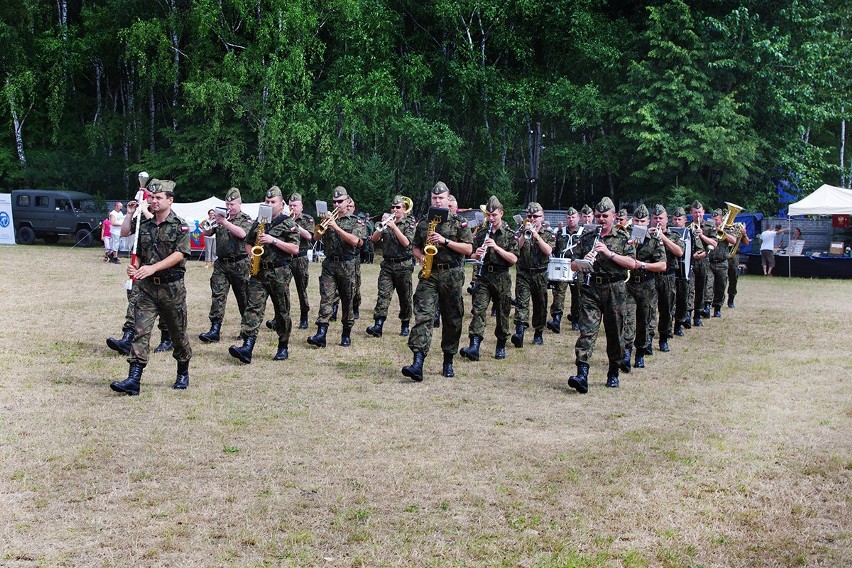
[606, 279]
[273, 264]
[399, 259]
[303, 253]
[533, 270]
[231, 260]
[446, 265]
[495, 269]
[340, 258]
[166, 279]
[639, 277]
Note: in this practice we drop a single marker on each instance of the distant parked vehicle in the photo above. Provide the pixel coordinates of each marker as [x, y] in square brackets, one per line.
[48, 214]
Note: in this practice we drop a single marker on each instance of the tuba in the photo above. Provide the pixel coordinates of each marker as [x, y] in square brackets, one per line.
[728, 219]
[264, 215]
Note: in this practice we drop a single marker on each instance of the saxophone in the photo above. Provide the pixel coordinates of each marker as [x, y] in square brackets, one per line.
[257, 249]
[430, 250]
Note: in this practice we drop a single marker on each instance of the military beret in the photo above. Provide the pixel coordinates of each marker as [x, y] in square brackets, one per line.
[339, 192]
[440, 188]
[161, 186]
[696, 205]
[605, 204]
[621, 213]
[534, 207]
[586, 210]
[659, 209]
[493, 204]
[233, 194]
[571, 211]
[717, 213]
[640, 212]
[274, 191]
[295, 197]
[679, 212]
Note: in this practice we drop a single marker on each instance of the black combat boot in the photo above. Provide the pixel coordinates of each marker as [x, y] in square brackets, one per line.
[130, 385]
[404, 329]
[471, 352]
[717, 312]
[345, 339]
[282, 353]
[243, 353]
[211, 336]
[415, 370]
[333, 313]
[500, 351]
[182, 378]
[580, 381]
[640, 358]
[165, 342]
[649, 345]
[612, 375]
[696, 320]
[730, 302]
[705, 313]
[575, 324]
[437, 321]
[318, 340]
[625, 363]
[270, 324]
[121, 345]
[376, 329]
[518, 336]
[537, 338]
[303, 321]
[447, 369]
[678, 330]
[664, 345]
[685, 322]
[555, 325]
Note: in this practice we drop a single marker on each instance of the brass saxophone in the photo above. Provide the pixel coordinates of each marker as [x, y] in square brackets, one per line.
[257, 249]
[430, 250]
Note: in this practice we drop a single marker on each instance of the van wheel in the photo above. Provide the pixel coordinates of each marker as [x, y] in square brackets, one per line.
[83, 238]
[26, 236]
[51, 239]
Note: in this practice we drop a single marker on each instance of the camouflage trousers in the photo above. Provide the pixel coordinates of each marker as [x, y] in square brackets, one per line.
[718, 281]
[530, 287]
[168, 301]
[492, 287]
[299, 267]
[733, 277]
[356, 295]
[395, 276]
[637, 314]
[338, 280]
[269, 283]
[666, 304]
[681, 298]
[227, 275]
[558, 304]
[698, 283]
[601, 302]
[441, 292]
[130, 313]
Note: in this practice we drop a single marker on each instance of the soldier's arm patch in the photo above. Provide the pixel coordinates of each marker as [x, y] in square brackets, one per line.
[184, 228]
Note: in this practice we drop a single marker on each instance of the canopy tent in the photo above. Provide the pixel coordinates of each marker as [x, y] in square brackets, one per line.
[827, 200]
[196, 212]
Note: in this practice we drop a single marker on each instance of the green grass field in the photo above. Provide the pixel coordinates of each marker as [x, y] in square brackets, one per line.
[731, 450]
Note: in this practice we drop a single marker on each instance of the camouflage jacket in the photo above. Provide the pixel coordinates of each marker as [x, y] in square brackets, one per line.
[157, 242]
[671, 259]
[333, 245]
[455, 228]
[391, 248]
[227, 245]
[530, 255]
[617, 242]
[504, 236]
[650, 250]
[307, 223]
[720, 253]
[282, 228]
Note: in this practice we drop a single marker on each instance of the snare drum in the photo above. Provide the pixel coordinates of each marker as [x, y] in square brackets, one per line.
[559, 270]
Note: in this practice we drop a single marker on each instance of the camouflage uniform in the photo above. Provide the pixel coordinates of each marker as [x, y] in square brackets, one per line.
[666, 288]
[164, 293]
[231, 268]
[689, 303]
[299, 265]
[719, 268]
[272, 280]
[531, 283]
[494, 284]
[641, 293]
[339, 271]
[442, 290]
[395, 273]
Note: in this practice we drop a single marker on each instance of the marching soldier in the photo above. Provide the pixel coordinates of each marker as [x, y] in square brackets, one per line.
[734, 264]
[534, 248]
[495, 249]
[673, 244]
[442, 290]
[718, 261]
[685, 282]
[641, 290]
[453, 206]
[566, 239]
[397, 266]
[162, 251]
[342, 241]
[231, 268]
[280, 241]
[700, 263]
[299, 265]
[602, 295]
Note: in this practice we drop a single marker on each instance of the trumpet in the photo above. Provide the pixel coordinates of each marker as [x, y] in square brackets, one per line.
[407, 206]
[323, 226]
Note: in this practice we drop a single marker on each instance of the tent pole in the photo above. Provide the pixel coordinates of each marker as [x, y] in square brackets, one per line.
[789, 235]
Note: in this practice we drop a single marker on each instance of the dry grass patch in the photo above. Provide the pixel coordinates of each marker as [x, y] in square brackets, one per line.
[732, 450]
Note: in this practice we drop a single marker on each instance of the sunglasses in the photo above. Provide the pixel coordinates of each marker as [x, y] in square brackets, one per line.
[534, 216]
[396, 206]
[338, 200]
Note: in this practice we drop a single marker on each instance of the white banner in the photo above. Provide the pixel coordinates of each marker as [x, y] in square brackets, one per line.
[7, 227]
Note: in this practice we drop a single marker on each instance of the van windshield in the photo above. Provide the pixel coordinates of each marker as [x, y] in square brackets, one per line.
[85, 205]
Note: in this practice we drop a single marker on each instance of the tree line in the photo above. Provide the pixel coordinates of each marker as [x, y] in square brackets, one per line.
[561, 102]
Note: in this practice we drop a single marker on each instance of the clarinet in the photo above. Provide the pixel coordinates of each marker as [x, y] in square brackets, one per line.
[588, 279]
[474, 284]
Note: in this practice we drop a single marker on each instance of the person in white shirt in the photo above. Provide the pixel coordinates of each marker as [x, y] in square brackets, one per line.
[767, 248]
[116, 218]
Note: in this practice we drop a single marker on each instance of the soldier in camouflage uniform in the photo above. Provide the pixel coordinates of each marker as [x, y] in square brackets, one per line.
[396, 268]
[673, 244]
[496, 247]
[231, 268]
[162, 251]
[684, 282]
[299, 265]
[641, 290]
[734, 262]
[342, 242]
[602, 294]
[700, 264]
[718, 259]
[566, 239]
[443, 289]
[531, 278]
[280, 242]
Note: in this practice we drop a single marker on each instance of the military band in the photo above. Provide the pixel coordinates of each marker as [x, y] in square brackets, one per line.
[535, 246]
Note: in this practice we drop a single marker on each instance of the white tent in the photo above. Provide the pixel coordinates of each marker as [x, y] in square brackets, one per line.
[827, 200]
[197, 211]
